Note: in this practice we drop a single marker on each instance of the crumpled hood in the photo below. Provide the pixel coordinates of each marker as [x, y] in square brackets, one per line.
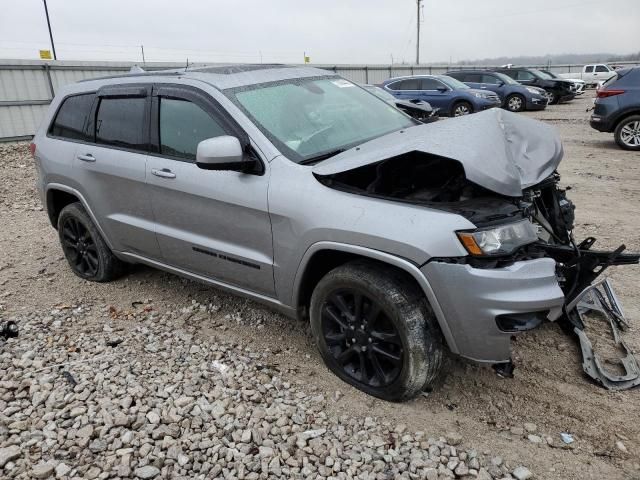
[502, 151]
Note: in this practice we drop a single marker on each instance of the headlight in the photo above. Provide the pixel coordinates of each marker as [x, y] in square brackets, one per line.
[500, 240]
[481, 95]
[534, 90]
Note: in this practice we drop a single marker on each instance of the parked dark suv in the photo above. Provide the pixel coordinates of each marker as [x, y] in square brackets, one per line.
[557, 90]
[617, 108]
[514, 96]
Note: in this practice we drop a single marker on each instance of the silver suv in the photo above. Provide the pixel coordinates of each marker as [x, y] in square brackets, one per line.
[301, 190]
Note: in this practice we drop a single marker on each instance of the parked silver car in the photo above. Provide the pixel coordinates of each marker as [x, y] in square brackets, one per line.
[301, 190]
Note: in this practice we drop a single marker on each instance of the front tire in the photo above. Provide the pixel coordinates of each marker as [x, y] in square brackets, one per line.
[86, 252]
[627, 133]
[515, 103]
[375, 330]
[460, 109]
[552, 98]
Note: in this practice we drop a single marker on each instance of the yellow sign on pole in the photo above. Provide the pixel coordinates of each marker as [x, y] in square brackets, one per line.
[307, 59]
[45, 54]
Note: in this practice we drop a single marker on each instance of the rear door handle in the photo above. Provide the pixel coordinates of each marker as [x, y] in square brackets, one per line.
[164, 173]
[87, 158]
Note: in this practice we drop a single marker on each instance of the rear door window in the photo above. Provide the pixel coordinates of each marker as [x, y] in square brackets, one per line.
[120, 122]
[473, 78]
[409, 84]
[601, 69]
[431, 84]
[490, 79]
[72, 116]
[524, 75]
[183, 125]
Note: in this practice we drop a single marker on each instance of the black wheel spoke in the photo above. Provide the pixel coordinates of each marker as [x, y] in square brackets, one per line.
[386, 337]
[80, 247]
[345, 356]
[335, 317]
[340, 302]
[92, 261]
[364, 376]
[361, 338]
[334, 338]
[394, 358]
[357, 306]
[377, 368]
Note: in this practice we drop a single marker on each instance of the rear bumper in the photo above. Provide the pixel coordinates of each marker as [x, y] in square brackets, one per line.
[472, 299]
[600, 123]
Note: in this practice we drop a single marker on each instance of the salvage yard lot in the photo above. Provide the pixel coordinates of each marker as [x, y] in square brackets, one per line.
[148, 345]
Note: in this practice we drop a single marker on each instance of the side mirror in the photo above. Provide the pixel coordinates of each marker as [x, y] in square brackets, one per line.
[222, 153]
[442, 89]
[500, 83]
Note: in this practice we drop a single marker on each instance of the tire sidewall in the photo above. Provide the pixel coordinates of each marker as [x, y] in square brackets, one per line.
[617, 133]
[411, 331]
[522, 104]
[457, 104]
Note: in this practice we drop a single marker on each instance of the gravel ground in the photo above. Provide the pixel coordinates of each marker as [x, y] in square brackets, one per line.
[153, 376]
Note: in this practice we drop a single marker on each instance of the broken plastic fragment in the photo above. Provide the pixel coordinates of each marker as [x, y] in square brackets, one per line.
[566, 438]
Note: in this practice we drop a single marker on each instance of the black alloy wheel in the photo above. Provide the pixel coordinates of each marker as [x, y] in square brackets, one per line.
[87, 253]
[361, 338]
[375, 330]
[79, 248]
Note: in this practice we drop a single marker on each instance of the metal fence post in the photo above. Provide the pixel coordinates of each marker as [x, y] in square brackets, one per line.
[47, 71]
[366, 74]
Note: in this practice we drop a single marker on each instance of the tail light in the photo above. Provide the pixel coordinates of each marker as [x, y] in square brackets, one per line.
[608, 93]
[32, 149]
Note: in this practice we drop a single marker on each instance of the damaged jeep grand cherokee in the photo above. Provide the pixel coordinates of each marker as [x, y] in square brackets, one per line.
[301, 190]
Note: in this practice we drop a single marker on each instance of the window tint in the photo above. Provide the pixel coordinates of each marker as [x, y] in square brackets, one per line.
[490, 79]
[409, 84]
[601, 68]
[182, 126]
[588, 69]
[510, 73]
[71, 117]
[524, 75]
[120, 122]
[472, 78]
[431, 84]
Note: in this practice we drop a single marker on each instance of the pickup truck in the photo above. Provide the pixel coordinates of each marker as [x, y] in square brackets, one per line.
[592, 75]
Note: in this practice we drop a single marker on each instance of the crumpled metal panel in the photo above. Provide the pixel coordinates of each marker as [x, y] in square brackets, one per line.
[502, 151]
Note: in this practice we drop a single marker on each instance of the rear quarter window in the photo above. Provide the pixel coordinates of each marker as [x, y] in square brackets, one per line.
[72, 116]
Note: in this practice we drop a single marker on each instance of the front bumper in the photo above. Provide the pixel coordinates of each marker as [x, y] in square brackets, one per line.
[536, 103]
[472, 299]
[486, 104]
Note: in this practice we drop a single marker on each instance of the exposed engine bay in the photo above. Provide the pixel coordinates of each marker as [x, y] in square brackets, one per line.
[437, 182]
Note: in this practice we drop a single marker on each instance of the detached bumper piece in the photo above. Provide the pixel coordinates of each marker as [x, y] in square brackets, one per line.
[599, 303]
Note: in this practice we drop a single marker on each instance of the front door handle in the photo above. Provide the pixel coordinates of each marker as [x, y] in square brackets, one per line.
[87, 158]
[164, 173]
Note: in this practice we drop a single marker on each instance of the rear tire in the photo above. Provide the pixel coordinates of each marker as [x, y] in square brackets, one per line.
[375, 330]
[461, 108]
[87, 253]
[515, 103]
[627, 133]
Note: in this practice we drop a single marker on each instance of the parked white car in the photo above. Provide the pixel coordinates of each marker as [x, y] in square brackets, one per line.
[592, 74]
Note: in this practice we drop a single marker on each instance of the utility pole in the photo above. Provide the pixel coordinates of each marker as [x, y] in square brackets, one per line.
[46, 12]
[142, 48]
[418, 4]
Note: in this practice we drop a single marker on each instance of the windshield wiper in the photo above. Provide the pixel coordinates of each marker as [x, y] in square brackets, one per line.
[323, 156]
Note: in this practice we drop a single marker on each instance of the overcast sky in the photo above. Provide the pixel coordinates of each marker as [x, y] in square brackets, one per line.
[330, 31]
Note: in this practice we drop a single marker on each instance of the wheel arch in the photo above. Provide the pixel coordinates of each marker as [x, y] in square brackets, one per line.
[624, 115]
[58, 196]
[323, 257]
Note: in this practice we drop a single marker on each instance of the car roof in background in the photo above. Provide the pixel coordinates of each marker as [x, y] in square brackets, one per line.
[225, 76]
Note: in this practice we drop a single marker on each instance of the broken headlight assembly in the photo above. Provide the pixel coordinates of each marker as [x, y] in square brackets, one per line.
[498, 240]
